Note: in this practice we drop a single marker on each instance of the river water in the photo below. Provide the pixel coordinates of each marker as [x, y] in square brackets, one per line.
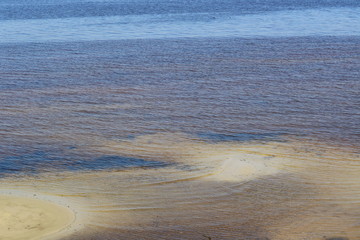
[185, 119]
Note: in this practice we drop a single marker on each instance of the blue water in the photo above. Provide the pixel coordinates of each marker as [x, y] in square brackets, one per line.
[40, 161]
[138, 110]
[58, 21]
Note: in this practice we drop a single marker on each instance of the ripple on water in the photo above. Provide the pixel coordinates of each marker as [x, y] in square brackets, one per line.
[274, 189]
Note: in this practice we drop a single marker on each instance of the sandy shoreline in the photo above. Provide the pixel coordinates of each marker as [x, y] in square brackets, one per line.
[31, 219]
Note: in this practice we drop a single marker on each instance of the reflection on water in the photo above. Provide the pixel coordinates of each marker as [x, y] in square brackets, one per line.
[187, 138]
[78, 20]
[319, 22]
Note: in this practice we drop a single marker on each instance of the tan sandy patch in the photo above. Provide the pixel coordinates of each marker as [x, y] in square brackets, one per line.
[25, 218]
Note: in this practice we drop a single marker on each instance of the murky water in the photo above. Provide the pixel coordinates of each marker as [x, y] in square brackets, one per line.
[235, 133]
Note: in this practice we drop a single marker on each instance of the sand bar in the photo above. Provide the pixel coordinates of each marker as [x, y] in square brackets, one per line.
[30, 219]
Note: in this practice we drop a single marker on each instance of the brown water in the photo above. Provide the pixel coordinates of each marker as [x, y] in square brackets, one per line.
[187, 138]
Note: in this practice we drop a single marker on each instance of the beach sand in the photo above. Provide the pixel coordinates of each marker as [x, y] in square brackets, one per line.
[30, 219]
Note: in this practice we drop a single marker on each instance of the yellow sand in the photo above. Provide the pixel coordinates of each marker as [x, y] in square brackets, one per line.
[30, 219]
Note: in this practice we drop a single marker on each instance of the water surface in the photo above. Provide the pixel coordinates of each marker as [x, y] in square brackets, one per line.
[43, 21]
[185, 120]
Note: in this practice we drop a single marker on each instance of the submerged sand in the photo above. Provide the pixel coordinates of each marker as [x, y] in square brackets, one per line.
[30, 219]
[278, 190]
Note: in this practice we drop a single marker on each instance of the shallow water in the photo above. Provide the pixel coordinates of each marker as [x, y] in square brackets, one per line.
[187, 138]
[269, 190]
[248, 128]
